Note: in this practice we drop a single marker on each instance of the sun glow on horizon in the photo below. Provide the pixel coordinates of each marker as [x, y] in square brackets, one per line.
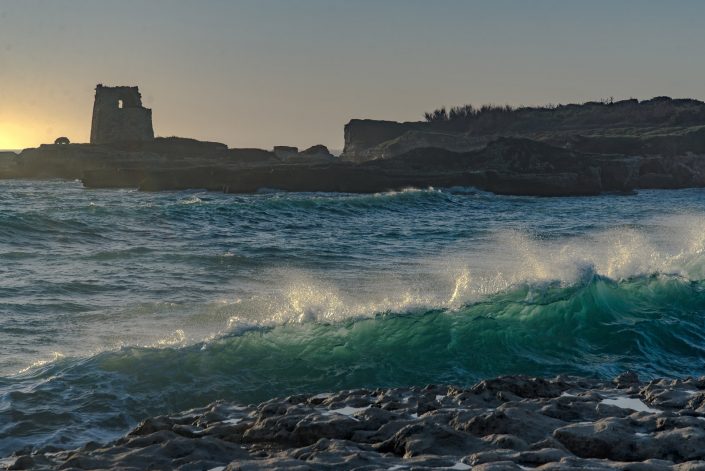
[16, 134]
[10, 140]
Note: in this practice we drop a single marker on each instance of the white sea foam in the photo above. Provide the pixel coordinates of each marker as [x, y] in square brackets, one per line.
[470, 274]
[322, 396]
[193, 199]
[39, 363]
[634, 404]
[176, 338]
[460, 466]
[346, 411]
[393, 193]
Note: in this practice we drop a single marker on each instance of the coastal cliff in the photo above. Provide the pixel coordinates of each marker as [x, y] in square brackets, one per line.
[554, 151]
[604, 125]
[657, 143]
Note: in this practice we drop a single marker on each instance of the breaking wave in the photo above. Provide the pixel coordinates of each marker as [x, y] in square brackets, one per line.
[653, 324]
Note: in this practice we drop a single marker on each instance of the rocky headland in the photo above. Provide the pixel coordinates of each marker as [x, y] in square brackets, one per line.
[508, 423]
[561, 150]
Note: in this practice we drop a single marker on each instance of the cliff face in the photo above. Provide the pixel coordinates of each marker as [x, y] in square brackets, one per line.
[657, 143]
[362, 135]
[657, 126]
[360, 147]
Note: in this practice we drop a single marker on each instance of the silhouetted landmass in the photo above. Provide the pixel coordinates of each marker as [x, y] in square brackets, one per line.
[466, 128]
[492, 118]
[549, 151]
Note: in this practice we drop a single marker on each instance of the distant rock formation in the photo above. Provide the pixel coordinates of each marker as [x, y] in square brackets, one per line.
[8, 165]
[317, 151]
[118, 116]
[363, 135]
[629, 127]
[292, 155]
[286, 152]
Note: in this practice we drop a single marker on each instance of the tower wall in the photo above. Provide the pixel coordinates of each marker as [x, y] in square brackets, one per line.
[118, 116]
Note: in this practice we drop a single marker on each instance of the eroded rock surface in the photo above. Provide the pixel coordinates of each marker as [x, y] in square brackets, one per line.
[508, 423]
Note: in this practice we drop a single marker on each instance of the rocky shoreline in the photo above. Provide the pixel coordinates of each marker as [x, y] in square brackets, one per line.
[508, 423]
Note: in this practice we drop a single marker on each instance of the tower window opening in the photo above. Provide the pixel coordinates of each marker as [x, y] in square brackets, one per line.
[119, 103]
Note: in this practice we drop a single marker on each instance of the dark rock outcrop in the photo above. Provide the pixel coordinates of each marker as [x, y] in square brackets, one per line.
[505, 166]
[9, 165]
[651, 127]
[285, 152]
[318, 151]
[509, 423]
[657, 143]
[361, 135]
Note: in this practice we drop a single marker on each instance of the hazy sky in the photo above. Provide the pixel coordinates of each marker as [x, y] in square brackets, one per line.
[293, 72]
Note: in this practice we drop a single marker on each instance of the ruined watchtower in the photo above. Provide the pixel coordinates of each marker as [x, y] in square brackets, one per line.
[118, 115]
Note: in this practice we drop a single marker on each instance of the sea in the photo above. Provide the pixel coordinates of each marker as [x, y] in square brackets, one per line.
[117, 305]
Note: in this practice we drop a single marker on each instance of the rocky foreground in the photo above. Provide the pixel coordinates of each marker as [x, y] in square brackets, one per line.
[509, 423]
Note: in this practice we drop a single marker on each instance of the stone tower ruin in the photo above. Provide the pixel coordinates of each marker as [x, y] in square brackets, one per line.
[118, 116]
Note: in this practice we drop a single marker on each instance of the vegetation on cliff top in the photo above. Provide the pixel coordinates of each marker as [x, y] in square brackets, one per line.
[658, 111]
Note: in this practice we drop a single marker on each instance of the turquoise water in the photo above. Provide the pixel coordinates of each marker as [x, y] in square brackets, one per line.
[117, 305]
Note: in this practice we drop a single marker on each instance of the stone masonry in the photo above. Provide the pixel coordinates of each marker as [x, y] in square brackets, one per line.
[118, 116]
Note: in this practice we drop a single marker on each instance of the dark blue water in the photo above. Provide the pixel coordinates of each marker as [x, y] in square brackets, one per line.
[117, 305]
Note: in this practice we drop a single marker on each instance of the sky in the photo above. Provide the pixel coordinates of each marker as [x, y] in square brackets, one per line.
[259, 73]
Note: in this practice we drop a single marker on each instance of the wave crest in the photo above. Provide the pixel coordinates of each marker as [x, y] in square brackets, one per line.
[651, 324]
